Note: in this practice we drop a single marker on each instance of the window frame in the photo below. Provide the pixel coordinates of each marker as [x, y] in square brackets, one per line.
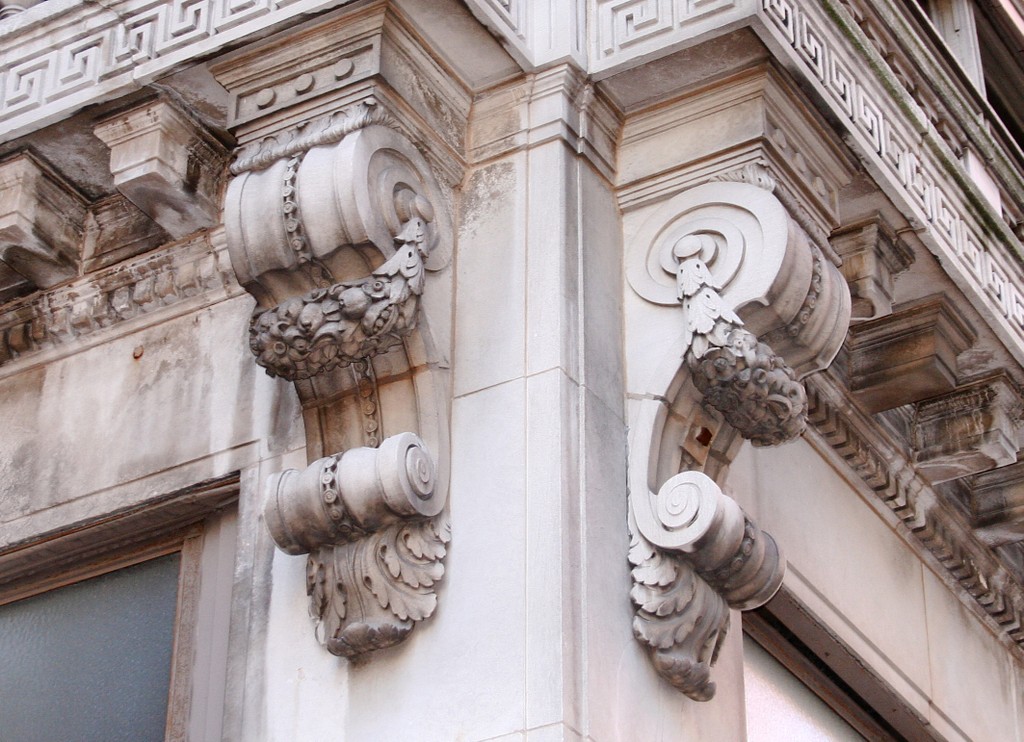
[799, 641]
[192, 522]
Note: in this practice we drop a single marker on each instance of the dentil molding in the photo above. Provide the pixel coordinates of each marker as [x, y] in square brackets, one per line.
[755, 306]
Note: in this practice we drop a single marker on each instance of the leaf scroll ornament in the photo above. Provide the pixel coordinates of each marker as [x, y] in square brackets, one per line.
[368, 594]
[738, 375]
[401, 566]
[679, 617]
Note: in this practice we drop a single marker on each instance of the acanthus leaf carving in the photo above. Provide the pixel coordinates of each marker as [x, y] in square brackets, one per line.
[405, 564]
[679, 617]
[394, 570]
[695, 556]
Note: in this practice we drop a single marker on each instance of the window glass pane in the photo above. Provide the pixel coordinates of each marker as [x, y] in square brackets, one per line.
[780, 707]
[90, 661]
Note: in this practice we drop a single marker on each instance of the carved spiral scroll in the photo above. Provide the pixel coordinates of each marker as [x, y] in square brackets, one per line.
[744, 236]
[289, 224]
[760, 263]
[343, 497]
[695, 555]
[369, 518]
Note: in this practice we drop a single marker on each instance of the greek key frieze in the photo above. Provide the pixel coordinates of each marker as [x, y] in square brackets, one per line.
[985, 264]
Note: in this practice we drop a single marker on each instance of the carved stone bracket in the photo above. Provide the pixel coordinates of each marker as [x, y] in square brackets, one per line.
[873, 255]
[975, 428]
[41, 219]
[365, 517]
[166, 164]
[696, 555]
[761, 307]
[917, 344]
[335, 236]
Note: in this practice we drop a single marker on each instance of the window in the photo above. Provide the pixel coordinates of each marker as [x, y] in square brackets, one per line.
[780, 706]
[91, 660]
[1004, 78]
[118, 630]
[801, 683]
[985, 41]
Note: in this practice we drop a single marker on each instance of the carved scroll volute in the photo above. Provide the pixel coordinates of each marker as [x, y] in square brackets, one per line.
[755, 259]
[757, 306]
[307, 218]
[335, 243]
[695, 555]
[365, 517]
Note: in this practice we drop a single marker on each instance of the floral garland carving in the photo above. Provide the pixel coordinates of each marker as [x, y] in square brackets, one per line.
[738, 375]
[347, 322]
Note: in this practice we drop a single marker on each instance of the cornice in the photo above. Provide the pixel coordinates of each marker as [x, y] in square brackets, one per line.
[367, 65]
[170, 282]
[537, 33]
[952, 105]
[769, 125]
[909, 161]
[106, 50]
[932, 527]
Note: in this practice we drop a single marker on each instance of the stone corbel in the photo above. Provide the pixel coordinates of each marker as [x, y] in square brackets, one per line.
[973, 429]
[908, 355]
[873, 255]
[166, 164]
[335, 240]
[697, 555]
[41, 219]
[761, 306]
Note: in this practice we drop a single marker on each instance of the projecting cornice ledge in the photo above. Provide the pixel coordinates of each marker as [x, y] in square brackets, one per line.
[761, 307]
[335, 239]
